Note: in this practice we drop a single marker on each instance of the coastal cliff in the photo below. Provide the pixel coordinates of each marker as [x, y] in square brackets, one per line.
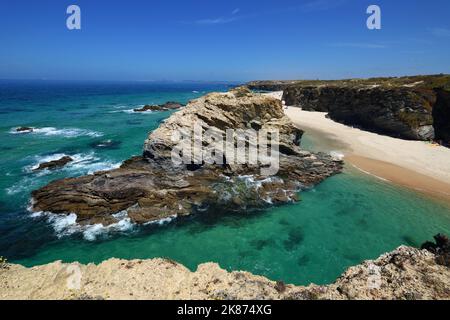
[415, 108]
[152, 187]
[404, 274]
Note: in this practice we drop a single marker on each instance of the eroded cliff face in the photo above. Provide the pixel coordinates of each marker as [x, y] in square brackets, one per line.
[398, 112]
[404, 274]
[415, 108]
[152, 187]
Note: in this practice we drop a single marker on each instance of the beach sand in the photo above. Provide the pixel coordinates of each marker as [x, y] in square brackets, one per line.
[418, 165]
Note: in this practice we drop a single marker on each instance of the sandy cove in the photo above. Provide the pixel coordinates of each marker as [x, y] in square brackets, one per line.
[417, 165]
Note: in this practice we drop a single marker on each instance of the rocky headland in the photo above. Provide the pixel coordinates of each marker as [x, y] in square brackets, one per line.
[403, 274]
[415, 108]
[151, 187]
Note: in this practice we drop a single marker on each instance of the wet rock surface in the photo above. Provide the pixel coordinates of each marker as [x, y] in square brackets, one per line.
[151, 187]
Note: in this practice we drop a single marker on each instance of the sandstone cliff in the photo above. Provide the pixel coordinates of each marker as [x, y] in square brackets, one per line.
[405, 274]
[416, 108]
[152, 187]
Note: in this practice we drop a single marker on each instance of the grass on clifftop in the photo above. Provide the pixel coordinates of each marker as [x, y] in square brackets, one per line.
[422, 81]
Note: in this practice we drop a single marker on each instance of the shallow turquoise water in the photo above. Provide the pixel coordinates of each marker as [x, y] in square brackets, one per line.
[343, 221]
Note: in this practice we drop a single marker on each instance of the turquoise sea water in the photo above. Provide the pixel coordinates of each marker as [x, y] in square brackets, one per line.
[343, 221]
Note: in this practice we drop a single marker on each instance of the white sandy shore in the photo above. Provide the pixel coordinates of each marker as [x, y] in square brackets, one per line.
[393, 155]
[419, 165]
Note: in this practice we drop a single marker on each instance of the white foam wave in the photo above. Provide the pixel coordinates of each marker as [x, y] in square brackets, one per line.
[82, 163]
[66, 225]
[162, 222]
[131, 111]
[337, 155]
[371, 174]
[126, 109]
[67, 132]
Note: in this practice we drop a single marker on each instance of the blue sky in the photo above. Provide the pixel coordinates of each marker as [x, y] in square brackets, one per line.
[222, 40]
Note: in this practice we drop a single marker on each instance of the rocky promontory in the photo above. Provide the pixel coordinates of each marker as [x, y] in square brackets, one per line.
[152, 187]
[404, 274]
[416, 108]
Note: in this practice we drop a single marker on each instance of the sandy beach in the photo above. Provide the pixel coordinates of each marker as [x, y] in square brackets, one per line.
[418, 165]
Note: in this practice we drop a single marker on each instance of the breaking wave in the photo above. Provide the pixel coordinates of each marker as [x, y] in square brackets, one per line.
[66, 225]
[82, 163]
[66, 133]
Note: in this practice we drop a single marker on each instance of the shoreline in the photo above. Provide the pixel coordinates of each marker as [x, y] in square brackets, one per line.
[401, 162]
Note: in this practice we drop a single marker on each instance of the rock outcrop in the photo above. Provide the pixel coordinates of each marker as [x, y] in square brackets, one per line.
[162, 107]
[416, 108]
[441, 248]
[152, 187]
[404, 274]
[55, 164]
[24, 130]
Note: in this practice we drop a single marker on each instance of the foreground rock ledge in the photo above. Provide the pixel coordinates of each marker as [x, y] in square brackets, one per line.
[405, 273]
[151, 187]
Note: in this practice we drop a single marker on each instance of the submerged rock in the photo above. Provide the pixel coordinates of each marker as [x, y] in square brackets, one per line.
[152, 187]
[162, 107]
[55, 164]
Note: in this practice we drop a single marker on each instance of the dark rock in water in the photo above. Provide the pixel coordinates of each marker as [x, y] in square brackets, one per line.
[260, 244]
[162, 107]
[441, 248]
[295, 239]
[303, 260]
[25, 129]
[152, 187]
[106, 144]
[55, 164]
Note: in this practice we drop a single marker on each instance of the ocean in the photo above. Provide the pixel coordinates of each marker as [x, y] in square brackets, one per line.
[345, 220]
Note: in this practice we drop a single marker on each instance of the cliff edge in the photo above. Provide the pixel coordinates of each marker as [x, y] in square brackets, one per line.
[405, 274]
